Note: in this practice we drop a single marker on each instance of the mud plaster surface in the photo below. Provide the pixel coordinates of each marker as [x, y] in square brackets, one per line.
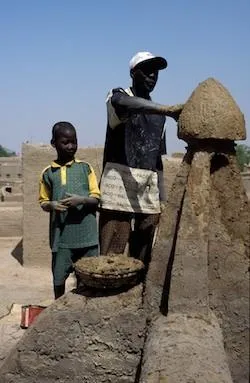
[228, 262]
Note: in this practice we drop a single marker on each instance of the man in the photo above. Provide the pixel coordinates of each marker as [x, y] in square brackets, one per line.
[131, 187]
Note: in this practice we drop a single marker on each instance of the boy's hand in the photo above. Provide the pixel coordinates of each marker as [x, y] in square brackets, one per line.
[58, 206]
[72, 200]
[53, 205]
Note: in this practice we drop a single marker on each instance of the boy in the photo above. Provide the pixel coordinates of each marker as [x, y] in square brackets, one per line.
[69, 191]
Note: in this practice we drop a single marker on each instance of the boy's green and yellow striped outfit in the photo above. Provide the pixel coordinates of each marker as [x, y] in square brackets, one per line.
[75, 229]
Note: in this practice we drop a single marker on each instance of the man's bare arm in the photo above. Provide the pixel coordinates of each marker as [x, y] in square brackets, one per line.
[141, 105]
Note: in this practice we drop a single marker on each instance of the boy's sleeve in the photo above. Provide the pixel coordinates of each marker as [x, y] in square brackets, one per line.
[44, 189]
[94, 190]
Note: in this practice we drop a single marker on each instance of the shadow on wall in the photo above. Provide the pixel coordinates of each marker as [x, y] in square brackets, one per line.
[17, 252]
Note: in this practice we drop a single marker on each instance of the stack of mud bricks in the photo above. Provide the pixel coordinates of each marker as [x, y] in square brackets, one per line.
[198, 275]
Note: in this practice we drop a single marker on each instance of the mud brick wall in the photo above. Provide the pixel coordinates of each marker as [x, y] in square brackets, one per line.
[10, 169]
[35, 158]
[246, 182]
[171, 166]
[11, 220]
[17, 186]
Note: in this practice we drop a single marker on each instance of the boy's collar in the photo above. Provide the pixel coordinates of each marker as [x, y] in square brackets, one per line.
[54, 164]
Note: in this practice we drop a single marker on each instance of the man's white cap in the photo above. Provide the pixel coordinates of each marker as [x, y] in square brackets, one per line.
[140, 57]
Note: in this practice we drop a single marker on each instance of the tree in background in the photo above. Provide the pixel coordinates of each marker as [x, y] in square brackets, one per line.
[6, 152]
[243, 155]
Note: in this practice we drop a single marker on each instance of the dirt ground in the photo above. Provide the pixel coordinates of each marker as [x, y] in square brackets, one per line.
[19, 286]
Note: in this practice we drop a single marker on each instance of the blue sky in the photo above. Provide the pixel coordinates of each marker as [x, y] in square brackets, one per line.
[60, 57]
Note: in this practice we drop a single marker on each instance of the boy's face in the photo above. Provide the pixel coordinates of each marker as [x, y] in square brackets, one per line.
[66, 145]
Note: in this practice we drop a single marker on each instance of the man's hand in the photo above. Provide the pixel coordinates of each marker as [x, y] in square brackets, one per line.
[174, 111]
[72, 200]
[53, 206]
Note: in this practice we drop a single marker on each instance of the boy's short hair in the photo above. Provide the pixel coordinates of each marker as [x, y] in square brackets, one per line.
[59, 127]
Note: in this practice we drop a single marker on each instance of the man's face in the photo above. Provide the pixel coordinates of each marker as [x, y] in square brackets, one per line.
[66, 144]
[145, 77]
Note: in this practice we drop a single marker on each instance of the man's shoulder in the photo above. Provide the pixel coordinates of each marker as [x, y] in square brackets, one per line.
[118, 90]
